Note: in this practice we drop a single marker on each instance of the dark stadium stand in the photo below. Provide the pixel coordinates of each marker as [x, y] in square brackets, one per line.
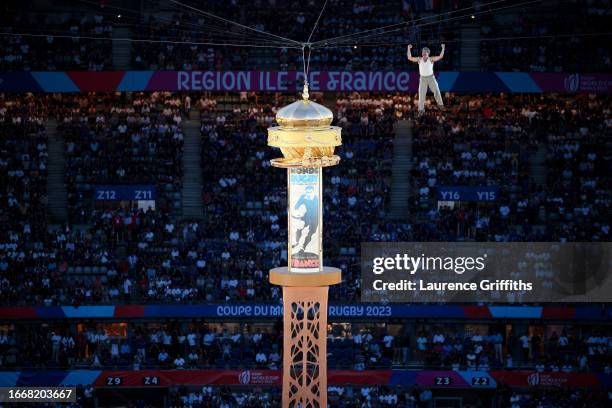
[189, 31]
[96, 129]
[150, 257]
[108, 283]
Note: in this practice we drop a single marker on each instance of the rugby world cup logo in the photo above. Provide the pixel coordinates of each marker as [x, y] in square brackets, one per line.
[244, 377]
[533, 379]
[572, 82]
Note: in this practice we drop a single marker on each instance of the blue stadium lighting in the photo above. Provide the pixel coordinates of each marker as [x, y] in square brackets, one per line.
[141, 216]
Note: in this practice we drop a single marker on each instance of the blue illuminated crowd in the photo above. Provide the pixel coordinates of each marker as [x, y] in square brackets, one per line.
[189, 345]
[121, 255]
[533, 37]
[548, 156]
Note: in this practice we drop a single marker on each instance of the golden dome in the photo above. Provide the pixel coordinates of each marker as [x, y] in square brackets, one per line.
[305, 135]
[304, 114]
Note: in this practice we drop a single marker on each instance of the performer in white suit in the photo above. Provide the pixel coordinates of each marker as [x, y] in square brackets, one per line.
[427, 79]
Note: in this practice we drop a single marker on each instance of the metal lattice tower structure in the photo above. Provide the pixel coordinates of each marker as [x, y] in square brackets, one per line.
[307, 142]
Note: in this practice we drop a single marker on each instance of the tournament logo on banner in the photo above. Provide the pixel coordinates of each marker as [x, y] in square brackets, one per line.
[262, 377]
[572, 82]
[305, 220]
[244, 377]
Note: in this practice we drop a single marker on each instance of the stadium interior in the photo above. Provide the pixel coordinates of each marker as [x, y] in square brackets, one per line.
[139, 223]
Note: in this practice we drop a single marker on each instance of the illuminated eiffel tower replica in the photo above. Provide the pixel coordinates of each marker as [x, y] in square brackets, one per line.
[307, 141]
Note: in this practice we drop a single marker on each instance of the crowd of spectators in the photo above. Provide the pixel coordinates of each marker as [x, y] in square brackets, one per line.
[127, 254]
[23, 165]
[555, 352]
[135, 139]
[527, 38]
[384, 397]
[181, 345]
[165, 347]
[127, 139]
[555, 398]
[355, 396]
[548, 154]
[338, 396]
[225, 397]
[285, 21]
[149, 254]
[540, 42]
[54, 42]
[578, 192]
[23, 190]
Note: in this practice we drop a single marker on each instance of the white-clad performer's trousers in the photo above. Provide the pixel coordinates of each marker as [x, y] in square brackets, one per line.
[431, 83]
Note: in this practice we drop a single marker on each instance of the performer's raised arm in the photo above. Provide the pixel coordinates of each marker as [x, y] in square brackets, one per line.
[439, 57]
[409, 54]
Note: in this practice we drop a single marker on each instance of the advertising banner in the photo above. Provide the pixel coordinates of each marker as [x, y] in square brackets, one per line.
[336, 311]
[235, 377]
[165, 378]
[403, 80]
[292, 81]
[305, 220]
[531, 379]
[576, 82]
